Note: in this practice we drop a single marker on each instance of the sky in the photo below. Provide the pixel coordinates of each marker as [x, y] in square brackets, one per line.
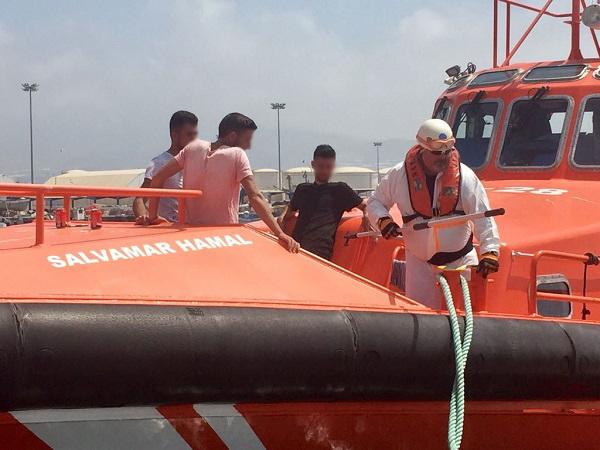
[350, 72]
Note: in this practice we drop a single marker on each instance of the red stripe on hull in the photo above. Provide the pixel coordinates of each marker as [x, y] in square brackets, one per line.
[377, 426]
[15, 436]
[192, 427]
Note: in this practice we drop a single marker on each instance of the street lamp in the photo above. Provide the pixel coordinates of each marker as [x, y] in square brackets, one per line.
[377, 145]
[278, 107]
[33, 87]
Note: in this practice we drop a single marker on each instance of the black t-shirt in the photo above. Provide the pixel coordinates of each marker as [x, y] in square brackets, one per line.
[321, 207]
[430, 179]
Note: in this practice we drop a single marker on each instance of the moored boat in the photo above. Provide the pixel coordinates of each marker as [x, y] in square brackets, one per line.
[215, 337]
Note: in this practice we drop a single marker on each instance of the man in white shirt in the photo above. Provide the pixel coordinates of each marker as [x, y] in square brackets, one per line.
[183, 128]
[430, 183]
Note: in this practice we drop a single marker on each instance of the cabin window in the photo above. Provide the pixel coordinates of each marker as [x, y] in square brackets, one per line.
[587, 144]
[496, 77]
[555, 73]
[442, 109]
[473, 129]
[461, 81]
[550, 308]
[534, 133]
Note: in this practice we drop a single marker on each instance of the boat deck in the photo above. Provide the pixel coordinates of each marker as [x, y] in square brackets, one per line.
[172, 264]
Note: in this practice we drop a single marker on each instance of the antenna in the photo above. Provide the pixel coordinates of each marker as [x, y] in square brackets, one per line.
[591, 17]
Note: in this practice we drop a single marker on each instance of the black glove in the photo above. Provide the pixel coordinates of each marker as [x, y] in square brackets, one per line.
[389, 229]
[488, 264]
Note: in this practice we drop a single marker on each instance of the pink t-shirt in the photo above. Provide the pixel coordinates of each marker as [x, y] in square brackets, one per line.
[218, 176]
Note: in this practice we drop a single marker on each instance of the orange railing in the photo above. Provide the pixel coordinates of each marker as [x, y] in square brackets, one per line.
[509, 50]
[41, 191]
[535, 295]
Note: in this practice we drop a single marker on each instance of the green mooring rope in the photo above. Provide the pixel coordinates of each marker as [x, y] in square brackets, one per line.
[461, 351]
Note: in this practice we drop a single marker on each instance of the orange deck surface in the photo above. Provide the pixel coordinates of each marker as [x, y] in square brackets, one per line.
[170, 264]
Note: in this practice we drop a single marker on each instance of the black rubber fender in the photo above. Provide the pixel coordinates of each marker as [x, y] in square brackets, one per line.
[92, 355]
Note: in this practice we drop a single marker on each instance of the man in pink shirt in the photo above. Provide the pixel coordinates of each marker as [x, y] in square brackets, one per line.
[218, 169]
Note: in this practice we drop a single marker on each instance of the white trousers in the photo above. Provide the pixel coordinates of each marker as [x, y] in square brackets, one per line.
[421, 282]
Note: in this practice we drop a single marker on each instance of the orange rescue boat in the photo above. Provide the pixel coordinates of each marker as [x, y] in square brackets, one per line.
[128, 337]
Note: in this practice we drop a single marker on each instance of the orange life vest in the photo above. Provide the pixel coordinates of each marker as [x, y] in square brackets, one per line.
[420, 200]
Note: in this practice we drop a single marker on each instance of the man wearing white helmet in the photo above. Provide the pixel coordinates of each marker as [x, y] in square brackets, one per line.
[432, 182]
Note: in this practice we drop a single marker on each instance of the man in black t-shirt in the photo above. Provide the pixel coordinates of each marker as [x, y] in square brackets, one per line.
[320, 206]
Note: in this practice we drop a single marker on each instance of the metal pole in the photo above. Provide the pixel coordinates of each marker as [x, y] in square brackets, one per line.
[39, 218]
[278, 106]
[279, 181]
[31, 135]
[377, 145]
[495, 40]
[67, 206]
[181, 211]
[378, 172]
[30, 88]
[575, 21]
[507, 37]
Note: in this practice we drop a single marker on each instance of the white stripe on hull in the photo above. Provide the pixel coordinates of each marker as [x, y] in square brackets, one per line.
[230, 425]
[142, 428]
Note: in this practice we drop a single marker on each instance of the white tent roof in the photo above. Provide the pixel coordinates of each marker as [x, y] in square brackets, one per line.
[344, 169]
[353, 169]
[266, 170]
[299, 170]
[6, 179]
[108, 178]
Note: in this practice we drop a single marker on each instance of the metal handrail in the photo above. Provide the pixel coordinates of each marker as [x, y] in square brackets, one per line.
[574, 22]
[535, 9]
[41, 191]
[395, 253]
[534, 294]
[552, 296]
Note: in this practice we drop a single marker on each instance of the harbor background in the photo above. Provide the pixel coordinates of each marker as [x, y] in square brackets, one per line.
[111, 74]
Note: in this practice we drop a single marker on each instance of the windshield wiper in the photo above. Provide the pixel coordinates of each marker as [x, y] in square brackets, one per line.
[478, 97]
[472, 106]
[539, 93]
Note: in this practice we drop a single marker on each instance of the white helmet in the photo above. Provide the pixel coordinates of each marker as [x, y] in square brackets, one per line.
[435, 135]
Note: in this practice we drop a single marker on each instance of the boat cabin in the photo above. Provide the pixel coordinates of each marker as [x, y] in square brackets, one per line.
[531, 131]
[535, 120]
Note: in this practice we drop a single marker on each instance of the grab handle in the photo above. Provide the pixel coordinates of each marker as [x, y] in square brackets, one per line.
[458, 219]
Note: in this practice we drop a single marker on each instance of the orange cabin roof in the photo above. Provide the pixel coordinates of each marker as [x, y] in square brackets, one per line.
[576, 91]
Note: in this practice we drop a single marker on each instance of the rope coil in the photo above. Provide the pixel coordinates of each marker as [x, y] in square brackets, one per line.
[461, 351]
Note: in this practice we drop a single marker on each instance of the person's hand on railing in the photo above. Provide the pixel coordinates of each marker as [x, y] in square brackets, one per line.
[157, 220]
[143, 219]
[288, 243]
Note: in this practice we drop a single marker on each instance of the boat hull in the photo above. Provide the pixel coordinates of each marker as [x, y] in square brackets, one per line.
[81, 375]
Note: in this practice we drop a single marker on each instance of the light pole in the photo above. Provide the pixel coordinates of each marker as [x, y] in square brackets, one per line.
[278, 107]
[377, 145]
[33, 87]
